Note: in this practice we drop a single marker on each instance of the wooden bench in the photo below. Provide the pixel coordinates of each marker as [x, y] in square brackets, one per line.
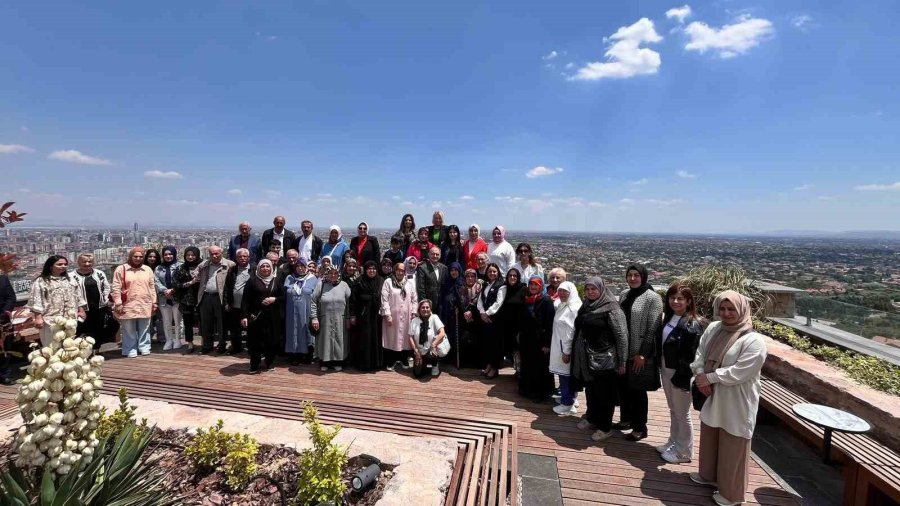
[871, 470]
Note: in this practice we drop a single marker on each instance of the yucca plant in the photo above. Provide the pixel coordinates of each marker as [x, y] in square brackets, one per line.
[121, 474]
[708, 281]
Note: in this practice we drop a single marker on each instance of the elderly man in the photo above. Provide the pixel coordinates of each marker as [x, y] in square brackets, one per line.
[430, 275]
[247, 241]
[233, 294]
[307, 244]
[284, 236]
[212, 274]
[134, 302]
[287, 265]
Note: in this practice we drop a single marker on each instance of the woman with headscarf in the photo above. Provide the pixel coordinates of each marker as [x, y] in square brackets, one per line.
[599, 354]
[469, 319]
[134, 302]
[330, 319]
[448, 304]
[350, 273]
[365, 246]
[452, 248]
[298, 287]
[186, 280]
[508, 318]
[398, 305]
[535, 332]
[501, 252]
[473, 246]
[561, 346]
[555, 278]
[169, 315]
[407, 231]
[325, 262]
[54, 293]
[412, 266]
[261, 315]
[335, 247]
[643, 309]
[421, 246]
[727, 369]
[387, 268]
[490, 301]
[365, 320]
[153, 259]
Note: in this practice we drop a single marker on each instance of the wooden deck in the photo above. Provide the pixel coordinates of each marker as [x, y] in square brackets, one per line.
[613, 472]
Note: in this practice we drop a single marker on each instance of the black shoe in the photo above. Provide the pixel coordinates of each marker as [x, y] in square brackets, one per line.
[234, 351]
[621, 426]
[206, 352]
[636, 436]
[189, 350]
[254, 370]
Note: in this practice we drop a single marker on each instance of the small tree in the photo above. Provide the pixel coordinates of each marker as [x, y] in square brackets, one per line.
[709, 281]
[320, 466]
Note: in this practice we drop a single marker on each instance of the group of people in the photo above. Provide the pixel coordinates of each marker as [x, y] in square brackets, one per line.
[434, 294]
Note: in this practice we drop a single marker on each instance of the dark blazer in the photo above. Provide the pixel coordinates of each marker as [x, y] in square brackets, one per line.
[7, 298]
[230, 279]
[443, 237]
[427, 286]
[370, 250]
[289, 238]
[680, 349]
[316, 246]
[252, 245]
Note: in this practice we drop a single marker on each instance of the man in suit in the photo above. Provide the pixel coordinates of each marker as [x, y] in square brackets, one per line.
[279, 233]
[308, 244]
[430, 275]
[247, 241]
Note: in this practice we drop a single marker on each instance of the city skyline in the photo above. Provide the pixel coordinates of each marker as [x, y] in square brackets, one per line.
[649, 117]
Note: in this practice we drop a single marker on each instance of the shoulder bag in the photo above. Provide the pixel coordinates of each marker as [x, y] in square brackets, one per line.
[698, 398]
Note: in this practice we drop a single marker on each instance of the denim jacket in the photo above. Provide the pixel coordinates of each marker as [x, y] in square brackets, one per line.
[159, 275]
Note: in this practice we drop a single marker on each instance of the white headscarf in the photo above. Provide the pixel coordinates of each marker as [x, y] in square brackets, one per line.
[266, 280]
[340, 234]
[569, 309]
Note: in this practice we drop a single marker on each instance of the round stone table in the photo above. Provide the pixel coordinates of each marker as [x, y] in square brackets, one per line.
[830, 419]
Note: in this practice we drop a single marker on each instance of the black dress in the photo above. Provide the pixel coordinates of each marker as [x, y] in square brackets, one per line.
[535, 331]
[264, 322]
[366, 352]
[508, 317]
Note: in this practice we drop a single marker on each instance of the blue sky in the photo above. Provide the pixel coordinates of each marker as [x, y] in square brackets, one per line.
[631, 116]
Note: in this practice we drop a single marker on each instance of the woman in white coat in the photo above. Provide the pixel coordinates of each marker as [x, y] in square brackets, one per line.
[727, 370]
[561, 345]
[398, 306]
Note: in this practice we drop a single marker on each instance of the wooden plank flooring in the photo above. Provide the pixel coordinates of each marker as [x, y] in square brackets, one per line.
[613, 472]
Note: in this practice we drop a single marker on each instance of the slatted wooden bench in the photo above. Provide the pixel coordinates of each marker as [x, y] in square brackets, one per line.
[871, 470]
[485, 472]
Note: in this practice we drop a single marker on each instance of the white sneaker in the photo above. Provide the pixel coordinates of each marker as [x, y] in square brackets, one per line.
[390, 367]
[408, 364]
[583, 424]
[600, 435]
[324, 368]
[564, 410]
[132, 354]
[169, 345]
[556, 397]
[672, 457]
[145, 352]
[176, 344]
[338, 368]
[664, 448]
[435, 371]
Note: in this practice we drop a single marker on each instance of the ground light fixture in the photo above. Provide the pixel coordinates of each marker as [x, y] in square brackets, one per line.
[365, 478]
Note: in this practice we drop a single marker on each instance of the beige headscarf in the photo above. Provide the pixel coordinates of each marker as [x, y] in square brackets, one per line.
[727, 335]
[268, 279]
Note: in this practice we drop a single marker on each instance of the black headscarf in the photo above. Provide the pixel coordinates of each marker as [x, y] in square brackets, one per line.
[365, 284]
[634, 293]
[196, 262]
[147, 257]
[514, 293]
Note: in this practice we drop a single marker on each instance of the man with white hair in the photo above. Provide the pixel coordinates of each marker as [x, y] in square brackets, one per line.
[247, 241]
[235, 281]
[210, 297]
[430, 275]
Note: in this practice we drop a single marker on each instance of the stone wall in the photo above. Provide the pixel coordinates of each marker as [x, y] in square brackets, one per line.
[820, 383]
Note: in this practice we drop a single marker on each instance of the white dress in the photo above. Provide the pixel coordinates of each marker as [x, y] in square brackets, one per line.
[735, 398]
[501, 254]
[561, 342]
[399, 308]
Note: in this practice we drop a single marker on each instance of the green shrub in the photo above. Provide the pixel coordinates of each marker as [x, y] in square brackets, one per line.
[870, 371]
[708, 281]
[320, 466]
[235, 453]
[110, 426]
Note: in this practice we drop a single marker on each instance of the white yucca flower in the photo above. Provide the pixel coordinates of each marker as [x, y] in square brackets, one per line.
[59, 401]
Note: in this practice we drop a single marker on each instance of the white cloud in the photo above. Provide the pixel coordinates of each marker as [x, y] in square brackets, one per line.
[24, 190]
[273, 193]
[541, 171]
[182, 202]
[803, 187]
[685, 174]
[679, 13]
[467, 197]
[406, 203]
[596, 204]
[71, 155]
[326, 195]
[731, 40]
[639, 182]
[255, 205]
[664, 203]
[235, 191]
[624, 57]
[627, 202]
[570, 65]
[9, 149]
[550, 56]
[507, 198]
[396, 197]
[880, 187]
[802, 22]
[163, 175]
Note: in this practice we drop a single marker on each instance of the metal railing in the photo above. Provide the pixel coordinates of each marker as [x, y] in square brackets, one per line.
[858, 320]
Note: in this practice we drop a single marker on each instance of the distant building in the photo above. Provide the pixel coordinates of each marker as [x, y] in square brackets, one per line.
[781, 301]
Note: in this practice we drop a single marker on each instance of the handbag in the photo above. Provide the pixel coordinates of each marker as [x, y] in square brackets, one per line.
[600, 361]
[647, 380]
[697, 397]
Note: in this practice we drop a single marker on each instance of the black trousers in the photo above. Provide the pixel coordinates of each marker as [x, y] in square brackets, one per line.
[189, 319]
[212, 328]
[391, 356]
[232, 319]
[491, 344]
[632, 405]
[421, 369]
[261, 343]
[601, 400]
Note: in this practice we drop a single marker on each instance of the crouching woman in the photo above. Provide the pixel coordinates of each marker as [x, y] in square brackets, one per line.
[428, 340]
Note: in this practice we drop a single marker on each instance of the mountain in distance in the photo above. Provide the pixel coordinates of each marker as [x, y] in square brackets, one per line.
[849, 234]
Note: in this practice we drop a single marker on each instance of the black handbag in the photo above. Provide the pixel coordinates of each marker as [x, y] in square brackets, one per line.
[600, 361]
[697, 397]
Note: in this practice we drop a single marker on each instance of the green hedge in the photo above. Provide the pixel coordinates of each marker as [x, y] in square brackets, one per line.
[871, 371]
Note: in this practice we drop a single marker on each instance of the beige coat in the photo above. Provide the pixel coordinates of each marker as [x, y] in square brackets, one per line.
[139, 285]
[220, 278]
